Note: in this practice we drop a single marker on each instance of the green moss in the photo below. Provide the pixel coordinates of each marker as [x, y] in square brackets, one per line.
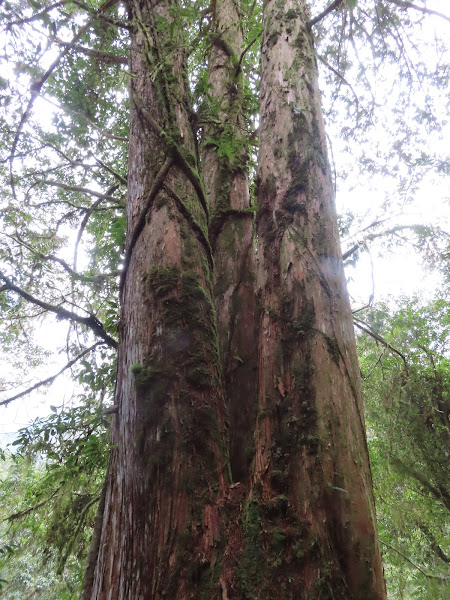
[291, 14]
[200, 377]
[268, 189]
[250, 570]
[333, 350]
[290, 202]
[163, 280]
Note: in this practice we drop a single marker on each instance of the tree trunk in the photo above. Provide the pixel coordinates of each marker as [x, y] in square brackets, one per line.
[231, 228]
[169, 455]
[311, 459]
[205, 396]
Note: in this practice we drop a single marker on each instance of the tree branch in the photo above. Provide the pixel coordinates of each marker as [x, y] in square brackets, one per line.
[102, 132]
[439, 493]
[198, 231]
[422, 9]
[76, 188]
[66, 315]
[36, 86]
[380, 339]
[140, 223]
[324, 13]
[342, 78]
[26, 511]
[104, 56]
[373, 236]
[36, 16]
[51, 379]
[428, 575]
[51, 257]
[178, 154]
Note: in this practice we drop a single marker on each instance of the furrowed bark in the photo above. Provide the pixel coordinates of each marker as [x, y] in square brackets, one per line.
[166, 469]
[312, 495]
[231, 228]
[298, 522]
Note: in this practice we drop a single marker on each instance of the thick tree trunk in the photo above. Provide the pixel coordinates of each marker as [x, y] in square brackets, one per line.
[311, 460]
[231, 228]
[298, 521]
[167, 466]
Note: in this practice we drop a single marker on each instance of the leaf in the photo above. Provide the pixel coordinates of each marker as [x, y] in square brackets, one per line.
[351, 4]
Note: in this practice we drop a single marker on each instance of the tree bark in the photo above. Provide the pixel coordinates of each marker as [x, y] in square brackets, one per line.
[205, 340]
[232, 227]
[310, 440]
[167, 463]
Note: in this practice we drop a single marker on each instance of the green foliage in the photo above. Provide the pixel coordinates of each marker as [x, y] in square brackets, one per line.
[49, 492]
[408, 422]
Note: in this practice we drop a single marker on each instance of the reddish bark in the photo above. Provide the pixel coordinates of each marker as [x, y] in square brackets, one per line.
[310, 439]
[166, 465]
[299, 523]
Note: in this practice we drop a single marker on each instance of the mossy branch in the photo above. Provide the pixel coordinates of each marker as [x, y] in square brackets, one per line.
[27, 511]
[178, 154]
[140, 223]
[198, 231]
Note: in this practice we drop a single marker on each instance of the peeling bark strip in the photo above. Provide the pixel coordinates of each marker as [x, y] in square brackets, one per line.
[311, 458]
[224, 373]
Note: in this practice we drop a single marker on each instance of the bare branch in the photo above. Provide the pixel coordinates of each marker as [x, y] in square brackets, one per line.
[428, 575]
[422, 9]
[104, 56]
[342, 78]
[359, 324]
[90, 322]
[51, 379]
[123, 180]
[76, 188]
[324, 13]
[373, 236]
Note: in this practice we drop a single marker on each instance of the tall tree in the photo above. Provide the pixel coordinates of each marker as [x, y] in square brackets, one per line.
[239, 465]
[178, 519]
